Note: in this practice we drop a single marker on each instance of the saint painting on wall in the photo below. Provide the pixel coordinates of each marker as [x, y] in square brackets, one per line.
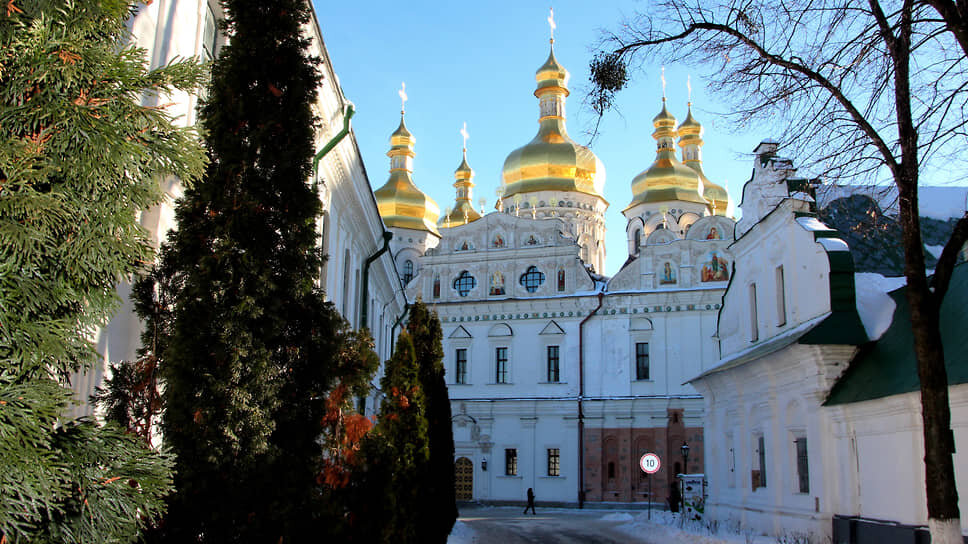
[498, 241]
[715, 268]
[713, 234]
[532, 241]
[497, 283]
[668, 274]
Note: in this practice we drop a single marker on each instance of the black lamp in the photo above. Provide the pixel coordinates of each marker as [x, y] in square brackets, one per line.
[484, 464]
[685, 458]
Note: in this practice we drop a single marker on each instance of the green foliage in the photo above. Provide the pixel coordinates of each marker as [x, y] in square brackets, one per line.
[438, 507]
[79, 158]
[258, 368]
[403, 426]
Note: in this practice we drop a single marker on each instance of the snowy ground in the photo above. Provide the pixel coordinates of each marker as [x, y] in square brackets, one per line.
[506, 525]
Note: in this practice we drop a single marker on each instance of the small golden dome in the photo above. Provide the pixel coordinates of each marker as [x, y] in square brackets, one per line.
[690, 126]
[666, 179]
[400, 202]
[464, 170]
[463, 211]
[552, 161]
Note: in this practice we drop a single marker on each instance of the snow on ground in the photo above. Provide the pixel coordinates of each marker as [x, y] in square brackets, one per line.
[461, 534]
[668, 528]
[617, 516]
[875, 307]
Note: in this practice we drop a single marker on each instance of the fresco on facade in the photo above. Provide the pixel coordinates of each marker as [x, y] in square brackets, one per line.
[497, 283]
[498, 241]
[715, 268]
[713, 234]
[668, 274]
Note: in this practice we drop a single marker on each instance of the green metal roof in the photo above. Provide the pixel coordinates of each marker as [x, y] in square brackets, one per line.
[888, 366]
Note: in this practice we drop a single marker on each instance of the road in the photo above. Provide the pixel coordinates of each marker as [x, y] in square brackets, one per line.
[506, 525]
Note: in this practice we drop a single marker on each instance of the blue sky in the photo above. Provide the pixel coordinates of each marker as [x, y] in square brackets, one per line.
[474, 62]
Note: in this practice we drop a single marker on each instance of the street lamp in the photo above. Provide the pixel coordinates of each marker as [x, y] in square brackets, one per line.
[685, 458]
[484, 464]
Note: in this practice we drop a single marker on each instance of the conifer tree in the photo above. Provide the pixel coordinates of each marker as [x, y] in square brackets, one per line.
[253, 350]
[79, 158]
[403, 426]
[438, 501]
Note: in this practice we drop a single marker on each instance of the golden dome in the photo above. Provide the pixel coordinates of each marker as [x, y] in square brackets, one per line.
[667, 179]
[552, 161]
[690, 140]
[463, 211]
[400, 202]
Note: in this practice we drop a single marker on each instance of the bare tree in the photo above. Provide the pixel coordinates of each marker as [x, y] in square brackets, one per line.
[861, 91]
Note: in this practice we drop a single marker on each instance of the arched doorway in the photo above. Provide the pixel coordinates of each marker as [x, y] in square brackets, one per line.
[464, 479]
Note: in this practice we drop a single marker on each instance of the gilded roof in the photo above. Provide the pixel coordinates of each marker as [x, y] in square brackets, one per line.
[400, 202]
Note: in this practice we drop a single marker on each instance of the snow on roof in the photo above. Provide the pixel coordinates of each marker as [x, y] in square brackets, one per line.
[800, 195]
[833, 244]
[874, 305]
[812, 224]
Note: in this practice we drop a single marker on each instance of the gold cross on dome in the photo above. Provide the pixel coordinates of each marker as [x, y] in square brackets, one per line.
[463, 132]
[551, 23]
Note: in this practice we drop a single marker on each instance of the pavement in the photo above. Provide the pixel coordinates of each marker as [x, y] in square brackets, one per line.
[507, 525]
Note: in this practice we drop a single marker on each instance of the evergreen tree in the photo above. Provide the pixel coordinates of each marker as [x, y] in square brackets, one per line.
[403, 427]
[254, 351]
[438, 502]
[79, 158]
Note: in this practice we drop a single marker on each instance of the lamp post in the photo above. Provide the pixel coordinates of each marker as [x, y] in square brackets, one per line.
[484, 464]
[685, 458]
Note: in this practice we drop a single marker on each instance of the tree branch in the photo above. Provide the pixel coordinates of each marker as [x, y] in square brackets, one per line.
[948, 259]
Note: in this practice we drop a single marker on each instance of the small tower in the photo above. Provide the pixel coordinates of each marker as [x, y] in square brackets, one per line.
[407, 212]
[463, 211]
[690, 140]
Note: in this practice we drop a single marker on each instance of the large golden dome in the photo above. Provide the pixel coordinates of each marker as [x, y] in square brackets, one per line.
[552, 161]
[667, 179]
[400, 202]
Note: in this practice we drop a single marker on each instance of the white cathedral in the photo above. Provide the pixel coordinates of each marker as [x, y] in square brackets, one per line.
[727, 348]
[560, 378]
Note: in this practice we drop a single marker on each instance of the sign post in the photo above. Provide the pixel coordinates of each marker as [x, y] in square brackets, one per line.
[650, 464]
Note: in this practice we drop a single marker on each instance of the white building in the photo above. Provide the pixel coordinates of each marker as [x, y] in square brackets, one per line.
[559, 378]
[805, 432]
[351, 230]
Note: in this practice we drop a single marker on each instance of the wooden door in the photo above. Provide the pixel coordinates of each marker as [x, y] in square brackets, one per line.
[464, 479]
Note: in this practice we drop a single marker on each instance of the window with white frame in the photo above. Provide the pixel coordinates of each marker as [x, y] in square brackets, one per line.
[754, 323]
[554, 374]
[803, 465]
[501, 365]
[511, 462]
[641, 360]
[554, 462]
[460, 366]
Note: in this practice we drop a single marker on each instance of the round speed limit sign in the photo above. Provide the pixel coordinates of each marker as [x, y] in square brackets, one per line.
[650, 463]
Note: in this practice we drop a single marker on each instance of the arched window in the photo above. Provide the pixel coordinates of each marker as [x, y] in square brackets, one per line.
[436, 286]
[532, 279]
[638, 240]
[561, 280]
[464, 283]
[407, 271]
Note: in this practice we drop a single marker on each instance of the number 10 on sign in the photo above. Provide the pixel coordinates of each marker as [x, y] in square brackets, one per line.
[650, 464]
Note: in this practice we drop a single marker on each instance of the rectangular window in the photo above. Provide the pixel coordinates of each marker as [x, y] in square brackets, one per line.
[761, 452]
[501, 358]
[209, 35]
[460, 367]
[803, 468]
[780, 298]
[642, 361]
[553, 366]
[554, 462]
[510, 462]
[754, 323]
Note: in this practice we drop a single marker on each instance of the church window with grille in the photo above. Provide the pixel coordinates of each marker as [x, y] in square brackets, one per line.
[464, 283]
[641, 360]
[554, 462]
[532, 279]
[561, 280]
[436, 286]
[511, 462]
[553, 364]
[803, 468]
[460, 374]
[407, 271]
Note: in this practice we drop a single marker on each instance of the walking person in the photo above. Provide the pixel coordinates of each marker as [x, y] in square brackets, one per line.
[530, 502]
[675, 497]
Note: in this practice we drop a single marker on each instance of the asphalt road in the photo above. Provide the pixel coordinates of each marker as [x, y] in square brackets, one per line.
[506, 525]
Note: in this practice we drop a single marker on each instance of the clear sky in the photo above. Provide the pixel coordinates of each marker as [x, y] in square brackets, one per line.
[475, 62]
